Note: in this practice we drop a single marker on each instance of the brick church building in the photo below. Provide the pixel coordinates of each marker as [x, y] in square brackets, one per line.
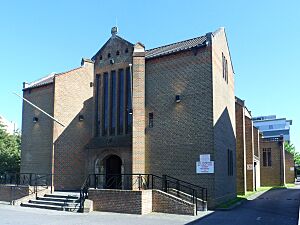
[129, 110]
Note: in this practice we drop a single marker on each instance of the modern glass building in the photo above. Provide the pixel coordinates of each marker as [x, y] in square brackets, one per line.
[271, 126]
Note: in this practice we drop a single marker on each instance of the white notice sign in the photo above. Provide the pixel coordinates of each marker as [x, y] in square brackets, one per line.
[205, 158]
[249, 167]
[291, 168]
[205, 167]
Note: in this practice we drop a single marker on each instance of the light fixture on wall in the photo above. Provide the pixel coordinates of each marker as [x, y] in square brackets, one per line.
[35, 119]
[80, 118]
[177, 98]
[112, 61]
[130, 111]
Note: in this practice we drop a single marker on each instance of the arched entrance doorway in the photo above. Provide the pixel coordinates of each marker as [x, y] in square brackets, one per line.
[113, 169]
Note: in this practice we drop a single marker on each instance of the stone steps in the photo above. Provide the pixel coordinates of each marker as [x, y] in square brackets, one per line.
[64, 202]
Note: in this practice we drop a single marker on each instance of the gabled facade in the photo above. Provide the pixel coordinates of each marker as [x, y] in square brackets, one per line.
[132, 110]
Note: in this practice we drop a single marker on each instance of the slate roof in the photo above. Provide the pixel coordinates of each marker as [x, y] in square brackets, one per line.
[40, 82]
[150, 53]
[46, 80]
[176, 47]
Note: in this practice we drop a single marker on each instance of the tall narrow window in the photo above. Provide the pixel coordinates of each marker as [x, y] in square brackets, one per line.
[150, 119]
[128, 101]
[97, 105]
[113, 103]
[121, 101]
[230, 162]
[223, 65]
[267, 157]
[226, 71]
[225, 68]
[105, 103]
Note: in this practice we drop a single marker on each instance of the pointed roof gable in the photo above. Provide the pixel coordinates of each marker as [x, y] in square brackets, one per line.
[112, 38]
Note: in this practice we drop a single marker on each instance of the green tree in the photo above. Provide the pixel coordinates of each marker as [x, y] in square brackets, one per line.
[291, 149]
[10, 151]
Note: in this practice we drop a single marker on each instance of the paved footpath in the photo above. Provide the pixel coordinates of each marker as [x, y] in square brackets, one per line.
[274, 207]
[16, 215]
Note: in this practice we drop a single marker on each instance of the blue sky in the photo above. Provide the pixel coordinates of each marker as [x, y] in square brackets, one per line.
[40, 37]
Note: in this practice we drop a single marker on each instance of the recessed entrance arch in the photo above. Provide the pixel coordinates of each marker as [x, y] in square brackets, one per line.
[113, 169]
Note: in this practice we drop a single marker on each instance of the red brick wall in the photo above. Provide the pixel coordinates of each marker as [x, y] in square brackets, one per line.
[72, 97]
[139, 202]
[120, 201]
[273, 175]
[289, 165]
[8, 192]
[249, 153]
[240, 149]
[166, 203]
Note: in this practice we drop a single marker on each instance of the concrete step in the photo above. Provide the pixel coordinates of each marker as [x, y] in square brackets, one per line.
[61, 196]
[57, 199]
[57, 203]
[42, 206]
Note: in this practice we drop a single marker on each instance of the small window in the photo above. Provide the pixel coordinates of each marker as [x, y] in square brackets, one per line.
[126, 50]
[230, 162]
[267, 157]
[108, 55]
[151, 119]
[118, 53]
[100, 57]
[225, 68]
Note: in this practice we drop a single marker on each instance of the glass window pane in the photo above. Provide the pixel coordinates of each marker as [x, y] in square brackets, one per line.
[105, 103]
[128, 101]
[121, 101]
[113, 103]
[269, 158]
[264, 157]
[97, 114]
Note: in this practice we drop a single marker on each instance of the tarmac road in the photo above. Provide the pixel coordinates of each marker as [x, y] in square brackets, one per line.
[274, 207]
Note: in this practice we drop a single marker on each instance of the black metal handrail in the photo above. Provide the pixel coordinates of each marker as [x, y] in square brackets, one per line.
[26, 179]
[84, 193]
[200, 189]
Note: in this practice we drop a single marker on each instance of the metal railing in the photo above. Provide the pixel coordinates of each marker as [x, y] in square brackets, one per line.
[143, 182]
[39, 182]
[194, 192]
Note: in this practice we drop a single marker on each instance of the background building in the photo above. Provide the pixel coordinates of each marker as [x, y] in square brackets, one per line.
[9, 126]
[247, 149]
[270, 126]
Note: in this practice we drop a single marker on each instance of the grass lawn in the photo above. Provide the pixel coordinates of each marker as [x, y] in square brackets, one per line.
[239, 198]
